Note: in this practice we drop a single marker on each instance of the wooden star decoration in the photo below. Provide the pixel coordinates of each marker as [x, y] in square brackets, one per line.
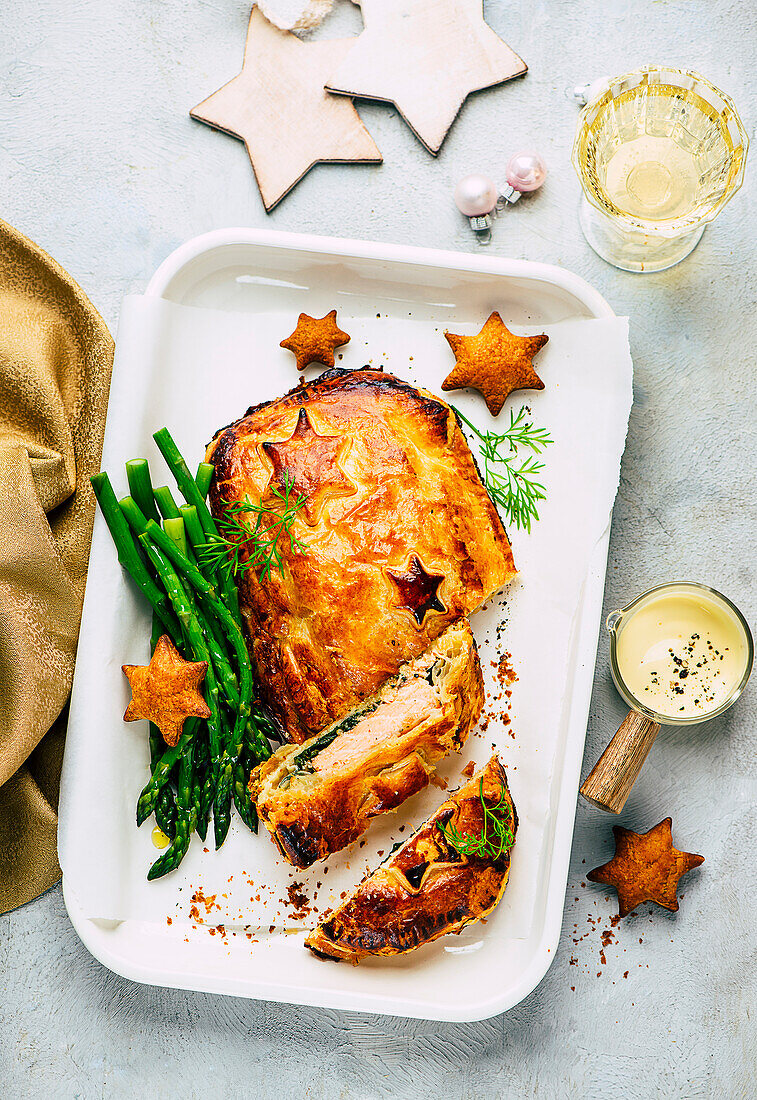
[426, 57]
[418, 589]
[308, 463]
[278, 106]
[315, 340]
[645, 867]
[495, 362]
[167, 691]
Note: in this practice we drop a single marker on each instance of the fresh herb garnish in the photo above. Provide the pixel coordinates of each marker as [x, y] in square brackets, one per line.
[496, 837]
[261, 540]
[512, 483]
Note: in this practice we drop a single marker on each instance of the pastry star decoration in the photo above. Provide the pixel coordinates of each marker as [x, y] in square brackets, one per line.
[495, 362]
[425, 56]
[645, 867]
[417, 589]
[278, 106]
[308, 464]
[166, 691]
[315, 340]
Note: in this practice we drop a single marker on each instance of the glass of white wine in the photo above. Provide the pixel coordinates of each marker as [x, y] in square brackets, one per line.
[659, 152]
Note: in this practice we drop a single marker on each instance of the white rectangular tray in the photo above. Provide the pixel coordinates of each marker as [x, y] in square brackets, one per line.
[255, 271]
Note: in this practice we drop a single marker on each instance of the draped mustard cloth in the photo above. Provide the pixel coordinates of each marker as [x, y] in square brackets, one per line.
[55, 360]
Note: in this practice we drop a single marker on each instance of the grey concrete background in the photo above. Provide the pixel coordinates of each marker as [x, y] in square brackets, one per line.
[101, 165]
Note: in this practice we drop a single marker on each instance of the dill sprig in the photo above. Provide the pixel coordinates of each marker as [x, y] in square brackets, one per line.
[512, 482]
[261, 540]
[496, 837]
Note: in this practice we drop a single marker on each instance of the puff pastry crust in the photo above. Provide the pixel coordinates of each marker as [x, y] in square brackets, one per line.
[402, 538]
[317, 798]
[426, 889]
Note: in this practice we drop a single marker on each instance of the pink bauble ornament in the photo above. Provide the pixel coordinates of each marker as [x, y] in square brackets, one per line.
[475, 196]
[526, 172]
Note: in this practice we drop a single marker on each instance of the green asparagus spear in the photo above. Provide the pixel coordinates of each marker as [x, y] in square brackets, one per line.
[161, 772]
[192, 495]
[202, 811]
[138, 521]
[196, 538]
[185, 481]
[185, 821]
[164, 539]
[243, 799]
[195, 533]
[222, 804]
[133, 515]
[209, 597]
[166, 812]
[247, 745]
[189, 571]
[174, 528]
[165, 805]
[177, 531]
[203, 477]
[216, 647]
[140, 486]
[167, 506]
[128, 554]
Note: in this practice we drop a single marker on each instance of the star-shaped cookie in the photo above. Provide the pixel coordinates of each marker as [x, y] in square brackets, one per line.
[308, 464]
[315, 340]
[277, 105]
[417, 589]
[167, 691]
[645, 867]
[495, 362]
[426, 57]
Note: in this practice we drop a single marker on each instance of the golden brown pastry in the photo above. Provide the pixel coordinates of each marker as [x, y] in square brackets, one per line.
[317, 798]
[495, 362]
[645, 867]
[315, 339]
[426, 889]
[167, 691]
[401, 537]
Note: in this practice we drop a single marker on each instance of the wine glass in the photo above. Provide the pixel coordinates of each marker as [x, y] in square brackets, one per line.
[659, 152]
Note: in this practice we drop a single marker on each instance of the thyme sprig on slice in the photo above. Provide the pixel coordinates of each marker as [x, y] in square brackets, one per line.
[512, 482]
[496, 836]
[273, 520]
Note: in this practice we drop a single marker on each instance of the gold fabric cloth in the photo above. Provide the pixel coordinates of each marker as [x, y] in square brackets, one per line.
[55, 360]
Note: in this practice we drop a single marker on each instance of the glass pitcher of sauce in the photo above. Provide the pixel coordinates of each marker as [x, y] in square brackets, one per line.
[680, 654]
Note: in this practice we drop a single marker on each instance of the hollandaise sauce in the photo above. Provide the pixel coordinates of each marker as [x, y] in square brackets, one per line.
[682, 651]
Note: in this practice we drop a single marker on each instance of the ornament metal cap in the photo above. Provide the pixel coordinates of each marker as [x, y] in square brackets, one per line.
[508, 194]
[586, 93]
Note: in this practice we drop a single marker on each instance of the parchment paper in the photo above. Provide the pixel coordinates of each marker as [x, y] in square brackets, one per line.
[196, 370]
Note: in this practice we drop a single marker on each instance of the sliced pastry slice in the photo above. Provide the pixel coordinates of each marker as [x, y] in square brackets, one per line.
[451, 871]
[318, 797]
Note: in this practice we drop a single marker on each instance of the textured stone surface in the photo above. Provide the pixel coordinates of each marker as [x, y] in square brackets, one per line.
[101, 165]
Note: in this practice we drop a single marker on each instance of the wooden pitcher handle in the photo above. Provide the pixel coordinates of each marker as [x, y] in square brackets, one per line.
[609, 783]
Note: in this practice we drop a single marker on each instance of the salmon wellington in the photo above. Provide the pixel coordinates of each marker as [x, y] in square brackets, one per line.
[392, 540]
